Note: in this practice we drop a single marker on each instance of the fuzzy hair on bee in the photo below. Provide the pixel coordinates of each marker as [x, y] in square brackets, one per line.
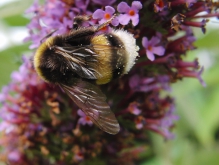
[81, 60]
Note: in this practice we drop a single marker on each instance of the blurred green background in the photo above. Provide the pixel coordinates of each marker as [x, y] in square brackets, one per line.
[197, 131]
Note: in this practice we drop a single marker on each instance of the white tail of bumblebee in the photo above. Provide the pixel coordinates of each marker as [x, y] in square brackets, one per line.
[130, 47]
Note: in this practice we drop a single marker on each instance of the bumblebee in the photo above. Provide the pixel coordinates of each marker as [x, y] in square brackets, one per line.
[81, 60]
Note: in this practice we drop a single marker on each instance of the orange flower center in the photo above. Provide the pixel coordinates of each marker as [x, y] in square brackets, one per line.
[149, 48]
[87, 118]
[80, 155]
[131, 12]
[160, 3]
[104, 28]
[138, 121]
[107, 16]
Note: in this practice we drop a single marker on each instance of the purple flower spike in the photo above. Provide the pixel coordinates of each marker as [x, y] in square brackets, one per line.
[103, 16]
[55, 15]
[168, 121]
[131, 13]
[40, 119]
[82, 4]
[194, 74]
[151, 48]
[4, 93]
[34, 8]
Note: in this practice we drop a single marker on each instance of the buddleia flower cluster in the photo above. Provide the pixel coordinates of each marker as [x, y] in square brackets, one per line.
[42, 125]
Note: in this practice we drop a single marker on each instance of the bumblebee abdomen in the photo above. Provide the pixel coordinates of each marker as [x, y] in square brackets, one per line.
[117, 56]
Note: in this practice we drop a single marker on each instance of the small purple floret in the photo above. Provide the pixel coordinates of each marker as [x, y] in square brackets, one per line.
[130, 13]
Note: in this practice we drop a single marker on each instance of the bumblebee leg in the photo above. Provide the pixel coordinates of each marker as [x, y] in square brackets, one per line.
[105, 23]
[80, 19]
[85, 33]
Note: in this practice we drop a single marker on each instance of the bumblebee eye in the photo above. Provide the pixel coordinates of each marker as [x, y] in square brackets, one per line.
[79, 20]
[75, 25]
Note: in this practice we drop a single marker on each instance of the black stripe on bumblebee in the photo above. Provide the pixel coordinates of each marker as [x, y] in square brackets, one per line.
[81, 60]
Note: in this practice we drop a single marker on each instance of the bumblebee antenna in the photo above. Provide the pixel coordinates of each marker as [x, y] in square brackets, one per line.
[48, 35]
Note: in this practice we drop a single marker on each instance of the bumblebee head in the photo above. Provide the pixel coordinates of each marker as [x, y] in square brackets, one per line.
[43, 49]
[47, 61]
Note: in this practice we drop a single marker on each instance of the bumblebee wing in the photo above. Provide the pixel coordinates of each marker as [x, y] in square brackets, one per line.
[84, 60]
[92, 101]
[79, 59]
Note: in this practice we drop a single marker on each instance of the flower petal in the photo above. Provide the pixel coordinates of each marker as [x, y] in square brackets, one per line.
[154, 40]
[115, 22]
[158, 50]
[109, 10]
[90, 123]
[82, 121]
[98, 14]
[135, 19]
[136, 5]
[104, 2]
[150, 55]
[145, 42]
[134, 81]
[124, 19]
[81, 113]
[139, 126]
[123, 7]
[14, 156]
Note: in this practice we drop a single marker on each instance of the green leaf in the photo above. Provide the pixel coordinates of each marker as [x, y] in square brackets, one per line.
[209, 40]
[16, 20]
[10, 60]
[14, 8]
[154, 161]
